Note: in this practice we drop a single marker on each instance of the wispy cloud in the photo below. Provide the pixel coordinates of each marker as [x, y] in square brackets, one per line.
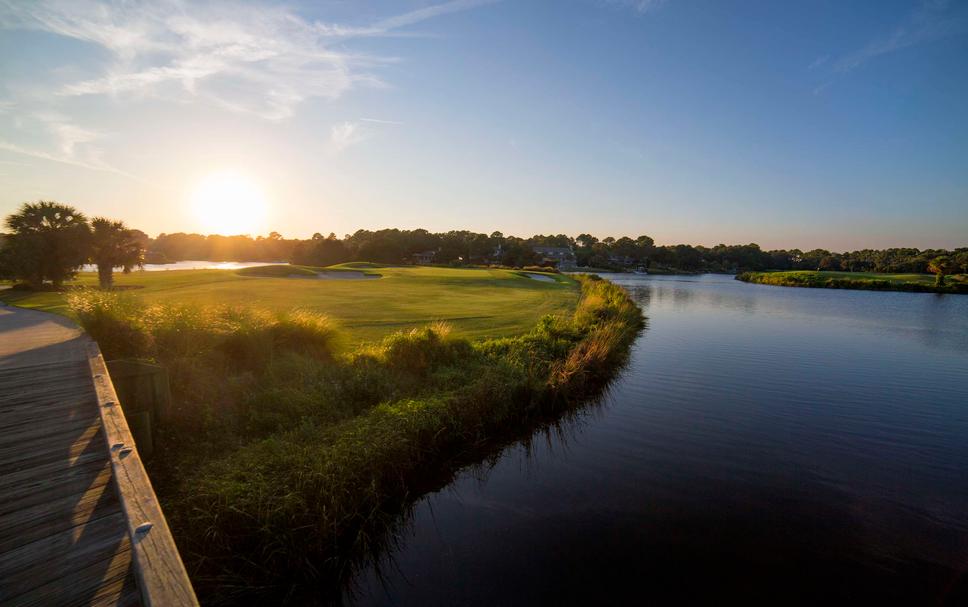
[344, 135]
[929, 22]
[263, 60]
[379, 121]
[68, 143]
[818, 62]
[429, 12]
[64, 159]
[639, 6]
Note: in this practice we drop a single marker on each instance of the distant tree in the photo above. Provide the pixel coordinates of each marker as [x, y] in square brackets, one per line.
[113, 245]
[49, 241]
[940, 265]
[829, 263]
[960, 260]
[321, 252]
[586, 241]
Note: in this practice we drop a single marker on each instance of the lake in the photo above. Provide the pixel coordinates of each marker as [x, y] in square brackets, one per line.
[196, 265]
[765, 443]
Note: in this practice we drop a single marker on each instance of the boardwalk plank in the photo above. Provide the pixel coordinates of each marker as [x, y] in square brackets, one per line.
[66, 522]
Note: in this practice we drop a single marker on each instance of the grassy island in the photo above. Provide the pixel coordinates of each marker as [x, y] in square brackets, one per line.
[924, 283]
[291, 453]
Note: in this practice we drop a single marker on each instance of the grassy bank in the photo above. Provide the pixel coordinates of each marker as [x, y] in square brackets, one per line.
[924, 283]
[476, 303]
[289, 457]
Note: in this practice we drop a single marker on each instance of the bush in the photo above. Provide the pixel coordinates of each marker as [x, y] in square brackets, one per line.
[420, 350]
[115, 321]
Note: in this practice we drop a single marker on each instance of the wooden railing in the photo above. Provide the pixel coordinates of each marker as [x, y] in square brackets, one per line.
[158, 567]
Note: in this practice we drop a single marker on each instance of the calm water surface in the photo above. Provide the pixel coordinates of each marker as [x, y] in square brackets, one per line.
[195, 265]
[771, 444]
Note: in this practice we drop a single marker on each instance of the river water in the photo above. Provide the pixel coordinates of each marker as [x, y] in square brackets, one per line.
[769, 444]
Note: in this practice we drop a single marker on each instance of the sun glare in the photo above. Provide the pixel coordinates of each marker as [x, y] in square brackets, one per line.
[229, 203]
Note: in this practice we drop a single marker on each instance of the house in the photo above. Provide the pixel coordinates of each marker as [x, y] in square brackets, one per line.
[423, 258]
[562, 258]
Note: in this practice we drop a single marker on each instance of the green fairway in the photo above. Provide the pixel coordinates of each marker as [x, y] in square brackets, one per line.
[857, 280]
[476, 302]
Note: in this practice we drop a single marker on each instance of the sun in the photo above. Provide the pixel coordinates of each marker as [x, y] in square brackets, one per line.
[229, 203]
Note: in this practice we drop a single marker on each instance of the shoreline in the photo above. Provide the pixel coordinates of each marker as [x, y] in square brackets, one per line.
[837, 280]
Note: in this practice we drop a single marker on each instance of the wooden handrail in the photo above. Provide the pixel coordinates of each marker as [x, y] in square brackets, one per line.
[159, 570]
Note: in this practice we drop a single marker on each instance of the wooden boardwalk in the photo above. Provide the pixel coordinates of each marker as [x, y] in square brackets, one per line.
[79, 522]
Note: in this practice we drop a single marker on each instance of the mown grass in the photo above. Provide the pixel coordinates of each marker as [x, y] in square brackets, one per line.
[288, 458]
[857, 280]
[477, 303]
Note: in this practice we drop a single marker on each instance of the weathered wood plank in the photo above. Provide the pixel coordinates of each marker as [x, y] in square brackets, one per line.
[29, 429]
[25, 525]
[48, 559]
[73, 445]
[42, 487]
[29, 480]
[161, 575]
[98, 582]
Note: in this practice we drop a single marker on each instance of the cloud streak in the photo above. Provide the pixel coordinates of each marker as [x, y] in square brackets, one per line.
[63, 159]
[639, 6]
[261, 60]
[931, 21]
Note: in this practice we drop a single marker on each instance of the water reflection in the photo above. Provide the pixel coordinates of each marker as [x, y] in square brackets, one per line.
[790, 445]
[195, 265]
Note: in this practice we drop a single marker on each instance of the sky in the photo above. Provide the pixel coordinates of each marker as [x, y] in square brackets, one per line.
[841, 125]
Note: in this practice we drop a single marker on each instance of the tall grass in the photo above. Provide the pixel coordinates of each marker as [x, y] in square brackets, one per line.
[291, 455]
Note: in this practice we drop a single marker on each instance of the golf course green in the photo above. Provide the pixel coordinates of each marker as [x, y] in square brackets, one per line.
[476, 303]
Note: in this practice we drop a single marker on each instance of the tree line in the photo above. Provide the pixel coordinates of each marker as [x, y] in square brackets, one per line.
[49, 242]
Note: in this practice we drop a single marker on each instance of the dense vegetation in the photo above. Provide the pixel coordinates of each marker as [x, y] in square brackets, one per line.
[287, 457]
[396, 246]
[924, 283]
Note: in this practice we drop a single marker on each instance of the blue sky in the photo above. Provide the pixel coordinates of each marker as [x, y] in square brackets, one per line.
[817, 124]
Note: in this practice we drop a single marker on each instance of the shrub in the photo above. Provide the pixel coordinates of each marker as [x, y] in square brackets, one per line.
[116, 322]
[420, 350]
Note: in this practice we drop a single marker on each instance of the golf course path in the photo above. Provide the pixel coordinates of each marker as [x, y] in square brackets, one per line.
[73, 513]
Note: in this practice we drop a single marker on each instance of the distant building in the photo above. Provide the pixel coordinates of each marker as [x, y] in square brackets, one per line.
[424, 258]
[562, 258]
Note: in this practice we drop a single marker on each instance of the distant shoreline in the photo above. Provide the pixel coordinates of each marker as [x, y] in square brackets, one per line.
[866, 281]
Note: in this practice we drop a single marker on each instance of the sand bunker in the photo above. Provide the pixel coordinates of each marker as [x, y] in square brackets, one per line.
[541, 277]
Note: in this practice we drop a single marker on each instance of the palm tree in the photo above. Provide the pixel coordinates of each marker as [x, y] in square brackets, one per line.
[113, 245]
[940, 266]
[49, 241]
